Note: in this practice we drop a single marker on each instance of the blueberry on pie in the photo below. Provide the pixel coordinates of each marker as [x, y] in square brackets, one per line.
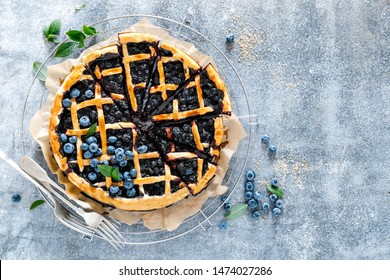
[138, 125]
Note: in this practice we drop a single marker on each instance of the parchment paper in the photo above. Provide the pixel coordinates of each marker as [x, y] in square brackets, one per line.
[168, 218]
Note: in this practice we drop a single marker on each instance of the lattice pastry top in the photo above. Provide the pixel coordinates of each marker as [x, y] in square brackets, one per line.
[158, 119]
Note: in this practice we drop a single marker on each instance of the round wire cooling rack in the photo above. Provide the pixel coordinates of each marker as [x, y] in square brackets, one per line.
[137, 233]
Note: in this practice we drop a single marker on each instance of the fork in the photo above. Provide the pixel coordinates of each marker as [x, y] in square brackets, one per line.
[103, 226]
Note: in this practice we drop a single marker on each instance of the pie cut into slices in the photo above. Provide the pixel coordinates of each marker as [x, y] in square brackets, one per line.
[138, 125]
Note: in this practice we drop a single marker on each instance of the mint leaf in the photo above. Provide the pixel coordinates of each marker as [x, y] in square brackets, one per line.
[80, 7]
[65, 49]
[275, 190]
[89, 30]
[36, 203]
[237, 211]
[42, 71]
[91, 130]
[46, 31]
[55, 27]
[115, 174]
[53, 38]
[76, 35]
[106, 170]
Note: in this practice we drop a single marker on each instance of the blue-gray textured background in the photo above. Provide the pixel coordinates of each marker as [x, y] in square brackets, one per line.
[317, 73]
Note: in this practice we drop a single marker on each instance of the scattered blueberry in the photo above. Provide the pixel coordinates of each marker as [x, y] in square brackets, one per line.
[84, 147]
[142, 149]
[272, 149]
[91, 139]
[248, 195]
[113, 160]
[112, 139]
[88, 93]
[256, 215]
[249, 186]
[74, 93]
[274, 182]
[223, 225]
[227, 206]
[126, 175]
[224, 197]
[230, 38]
[119, 151]
[257, 195]
[120, 177]
[66, 102]
[265, 139]
[120, 156]
[110, 150]
[133, 173]
[131, 192]
[250, 175]
[94, 162]
[68, 148]
[276, 212]
[265, 206]
[73, 139]
[16, 198]
[129, 155]
[128, 184]
[85, 121]
[273, 197]
[92, 176]
[252, 203]
[279, 203]
[99, 152]
[93, 148]
[123, 163]
[114, 190]
[103, 162]
[63, 137]
[88, 154]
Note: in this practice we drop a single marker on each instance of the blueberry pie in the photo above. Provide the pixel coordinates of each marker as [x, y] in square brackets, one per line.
[138, 125]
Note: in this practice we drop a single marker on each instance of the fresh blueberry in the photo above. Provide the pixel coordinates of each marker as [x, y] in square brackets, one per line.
[224, 198]
[68, 148]
[227, 206]
[257, 195]
[85, 121]
[93, 148]
[250, 175]
[97, 170]
[131, 192]
[92, 176]
[73, 139]
[110, 150]
[142, 149]
[66, 102]
[63, 137]
[123, 163]
[88, 154]
[114, 190]
[279, 203]
[91, 139]
[265, 206]
[249, 186]
[120, 156]
[223, 225]
[98, 153]
[16, 198]
[273, 197]
[120, 177]
[126, 175]
[128, 184]
[113, 160]
[276, 212]
[84, 147]
[230, 38]
[248, 195]
[112, 139]
[133, 173]
[94, 162]
[252, 203]
[129, 155]
[103, 162]
[274, 182]
[119, 151]
[74, 93]
[272, 149]
[256, 215]
[265, 139]
[88, 93]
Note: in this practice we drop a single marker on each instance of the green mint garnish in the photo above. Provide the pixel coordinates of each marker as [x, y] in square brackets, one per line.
[115, 174]
[36, 203]
[106, 170]
[52, 31]
[80, 7]
[91, 130]
[89, 30]
[275, 190]
[77, 36]
[237, 211]
[65, 49]
[42, 71]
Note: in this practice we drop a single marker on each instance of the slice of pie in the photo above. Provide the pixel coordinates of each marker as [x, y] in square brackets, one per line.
[138, 125]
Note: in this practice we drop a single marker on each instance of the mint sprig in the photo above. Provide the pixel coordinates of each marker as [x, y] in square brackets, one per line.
[275, 190]
[91, 130]
[79, 7]
[109, 171]
[40, 71]
[36, 203]
[236, 211]
[51, 32]
[77, 36]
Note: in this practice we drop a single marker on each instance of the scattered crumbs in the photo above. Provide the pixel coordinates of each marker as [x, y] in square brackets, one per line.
[292, 170]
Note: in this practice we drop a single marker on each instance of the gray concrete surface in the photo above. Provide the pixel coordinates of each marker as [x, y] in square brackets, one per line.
[317, 73]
